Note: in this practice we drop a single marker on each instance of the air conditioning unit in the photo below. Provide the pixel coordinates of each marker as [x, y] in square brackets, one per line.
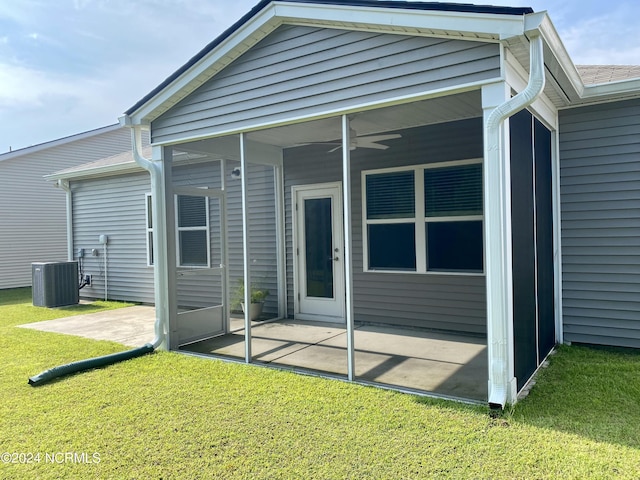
[55, 284]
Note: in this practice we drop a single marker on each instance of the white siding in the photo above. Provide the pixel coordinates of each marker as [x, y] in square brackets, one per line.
[33, 211]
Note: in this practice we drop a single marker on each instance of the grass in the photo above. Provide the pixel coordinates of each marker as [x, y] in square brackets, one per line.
[170, 416]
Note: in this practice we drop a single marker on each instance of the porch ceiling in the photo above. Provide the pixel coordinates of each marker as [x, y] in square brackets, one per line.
[398, 117]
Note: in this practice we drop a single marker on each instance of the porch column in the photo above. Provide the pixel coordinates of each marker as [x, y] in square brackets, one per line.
[498, 259]
[348, 261]
[245, 251]
[164, 244]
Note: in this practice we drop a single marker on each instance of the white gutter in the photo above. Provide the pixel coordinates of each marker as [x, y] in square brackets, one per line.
[499, 305]
[161, 274]
[64, 185]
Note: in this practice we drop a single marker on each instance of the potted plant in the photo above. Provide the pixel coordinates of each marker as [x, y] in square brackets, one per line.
[258, 296]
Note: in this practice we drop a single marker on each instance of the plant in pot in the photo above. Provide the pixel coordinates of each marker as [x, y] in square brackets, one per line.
[258, 296]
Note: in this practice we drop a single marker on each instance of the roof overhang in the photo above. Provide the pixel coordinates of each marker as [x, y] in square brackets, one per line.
[460, 21]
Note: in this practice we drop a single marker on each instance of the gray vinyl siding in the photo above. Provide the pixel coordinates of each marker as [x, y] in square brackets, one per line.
[262, 246]
[301, 70]
[33, 213]
[434, 301]
[600, 198]
[114, 206]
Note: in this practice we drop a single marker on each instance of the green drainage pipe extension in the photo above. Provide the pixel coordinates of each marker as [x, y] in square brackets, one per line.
[88, 364]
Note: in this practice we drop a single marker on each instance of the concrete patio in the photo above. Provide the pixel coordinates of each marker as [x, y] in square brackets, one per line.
[443, 364]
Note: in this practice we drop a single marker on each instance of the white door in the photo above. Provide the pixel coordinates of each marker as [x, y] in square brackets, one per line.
[318, 252]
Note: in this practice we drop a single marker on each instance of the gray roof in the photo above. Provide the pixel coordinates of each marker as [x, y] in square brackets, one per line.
[595, 74]
[113, 163]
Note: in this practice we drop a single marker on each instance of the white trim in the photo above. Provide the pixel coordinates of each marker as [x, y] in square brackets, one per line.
[347, 256]
[281, 254]
[419, 220]
[338, 234]
[246, 264]
[557, 236]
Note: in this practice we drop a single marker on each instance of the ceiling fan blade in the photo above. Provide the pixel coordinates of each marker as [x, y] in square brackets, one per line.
[376, 146]
[379, 138]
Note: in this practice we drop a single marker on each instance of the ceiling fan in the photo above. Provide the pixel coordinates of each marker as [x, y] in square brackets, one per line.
[355, 141]
[366, 141]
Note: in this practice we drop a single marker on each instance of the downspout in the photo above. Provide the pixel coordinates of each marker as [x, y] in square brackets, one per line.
[64, 185]
[498, 332]
[155, 170]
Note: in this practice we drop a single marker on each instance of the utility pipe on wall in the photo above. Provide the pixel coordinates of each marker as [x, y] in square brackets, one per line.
[498, 288]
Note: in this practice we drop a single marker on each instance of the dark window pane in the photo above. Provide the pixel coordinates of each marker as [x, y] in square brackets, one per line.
[150, 240]
[318, 247]
[392, 246]
[192, 211]
[453, 191]
[390, 195]
[149, 212]
[455, 246]
[193, 248]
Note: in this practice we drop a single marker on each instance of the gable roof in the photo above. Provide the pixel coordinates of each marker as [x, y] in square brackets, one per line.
[120, 163]
[475, 22]
[55, 143]
[392, 4]
[509, 25]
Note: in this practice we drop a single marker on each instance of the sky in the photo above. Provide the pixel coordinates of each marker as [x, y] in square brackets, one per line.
[69, 66]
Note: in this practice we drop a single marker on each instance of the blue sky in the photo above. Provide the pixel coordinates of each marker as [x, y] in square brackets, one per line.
[68, 66]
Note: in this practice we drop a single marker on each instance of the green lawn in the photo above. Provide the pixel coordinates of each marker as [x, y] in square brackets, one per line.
[172, 416]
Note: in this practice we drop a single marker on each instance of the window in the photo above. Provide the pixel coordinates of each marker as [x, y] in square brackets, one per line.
[391, 220]
[426, 218]
[192, 222]
[192, 235]
[149, 215]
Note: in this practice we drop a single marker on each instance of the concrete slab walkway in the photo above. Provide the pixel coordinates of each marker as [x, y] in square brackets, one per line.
[131, 326]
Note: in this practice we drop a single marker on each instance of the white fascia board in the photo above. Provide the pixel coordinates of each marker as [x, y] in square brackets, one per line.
[621, 88]
[386, 19]
[56, 143]
[119, 169]
[550, 36]
[222, 55]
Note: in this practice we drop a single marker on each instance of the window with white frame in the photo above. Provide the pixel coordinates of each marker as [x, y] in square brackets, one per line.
[192, 231]
[149, 214]
[192, 221]
[425, 218]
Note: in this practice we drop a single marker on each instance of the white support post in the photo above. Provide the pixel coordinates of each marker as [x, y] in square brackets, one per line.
[278, 174]
[163, 244]
[348, 261]
[224, 247]
[498, 252]
[245, 250]
[557, 237]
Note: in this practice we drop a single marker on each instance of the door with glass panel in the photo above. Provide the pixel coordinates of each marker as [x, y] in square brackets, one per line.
[318, 252]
